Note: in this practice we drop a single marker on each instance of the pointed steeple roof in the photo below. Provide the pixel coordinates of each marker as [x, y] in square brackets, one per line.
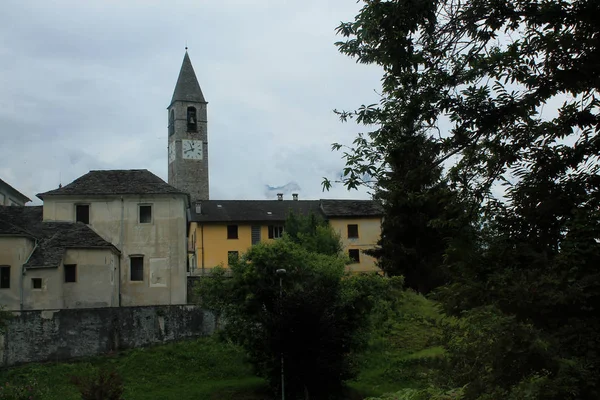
[187, 87]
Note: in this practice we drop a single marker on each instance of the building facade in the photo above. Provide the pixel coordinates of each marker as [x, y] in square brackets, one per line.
[224, 229]
[9, 196]
[53, 265]
[108, 239]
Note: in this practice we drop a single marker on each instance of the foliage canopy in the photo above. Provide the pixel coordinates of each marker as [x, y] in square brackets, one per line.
[485, 147]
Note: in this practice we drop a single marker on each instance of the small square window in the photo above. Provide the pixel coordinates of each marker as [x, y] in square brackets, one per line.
[145, 214]
[352, 231]
[82, 213]
[71, 273]
[137, 268]
[36, 283]
[354, 254]
[275, 231]
[232, 231]
[5, 277]
[232, 256]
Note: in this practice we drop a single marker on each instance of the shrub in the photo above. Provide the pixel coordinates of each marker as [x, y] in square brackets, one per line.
[102, 385]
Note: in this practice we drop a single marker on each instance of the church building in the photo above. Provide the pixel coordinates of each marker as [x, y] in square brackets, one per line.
[116, 238]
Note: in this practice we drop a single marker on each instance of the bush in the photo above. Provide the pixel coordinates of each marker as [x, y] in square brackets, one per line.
[102, 385]
[23, 391]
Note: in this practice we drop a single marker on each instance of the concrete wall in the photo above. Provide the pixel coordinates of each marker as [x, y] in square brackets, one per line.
[53, 335]
[95, 284]
[14, 251]
[369, 232]
[162, 242]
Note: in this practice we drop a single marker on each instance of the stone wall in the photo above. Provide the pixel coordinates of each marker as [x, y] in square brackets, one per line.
[53, 335]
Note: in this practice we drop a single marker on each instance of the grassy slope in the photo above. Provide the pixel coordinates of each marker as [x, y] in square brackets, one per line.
[209, 369]
[199, 369]
[402, 349]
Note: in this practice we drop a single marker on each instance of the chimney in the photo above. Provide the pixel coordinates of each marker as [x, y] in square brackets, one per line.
[198, 207]
[295, 196]
[280, 196]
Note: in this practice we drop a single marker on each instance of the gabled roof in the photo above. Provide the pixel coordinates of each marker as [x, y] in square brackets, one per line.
[251, 210]
[350, 208]
[57, 237]
[114, 182]
[53, 238]
[187, 87]
[15, 192]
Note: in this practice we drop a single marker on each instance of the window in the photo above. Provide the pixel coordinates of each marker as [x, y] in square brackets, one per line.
[5, 277]
[171, 122]
[354, 255]
[1, 199]
[145, 212]
[137, 268]
[352, 231]
[232, 256]
[82, 213]
[192, 125]
[232, 231]
[255, 234]
[36, 283]
[275, 231]
[70, 273]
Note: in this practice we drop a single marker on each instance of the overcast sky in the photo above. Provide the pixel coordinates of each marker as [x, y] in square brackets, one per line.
[85, 85]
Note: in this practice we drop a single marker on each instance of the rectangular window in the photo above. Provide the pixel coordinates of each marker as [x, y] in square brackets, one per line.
[275, 231]
[137, 268]
[36, 283]
[232, 231]
[82, 213]
[255, 234]
[354, 254]
[145, 212]
[232, 256]
[70, 273]
[352, 231]
[5, 277]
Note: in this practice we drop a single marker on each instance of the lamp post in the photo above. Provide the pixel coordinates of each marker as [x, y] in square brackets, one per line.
[281, 273]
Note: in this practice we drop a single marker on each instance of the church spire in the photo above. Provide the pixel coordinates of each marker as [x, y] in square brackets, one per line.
[187, 87]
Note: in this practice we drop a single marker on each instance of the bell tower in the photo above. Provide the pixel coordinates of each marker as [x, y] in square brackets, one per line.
[188, 136]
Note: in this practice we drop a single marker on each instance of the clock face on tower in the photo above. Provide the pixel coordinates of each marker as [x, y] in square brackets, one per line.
[171, 152]
[191, 149]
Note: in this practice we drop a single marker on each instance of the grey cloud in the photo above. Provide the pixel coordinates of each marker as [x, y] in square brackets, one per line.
[85, 85]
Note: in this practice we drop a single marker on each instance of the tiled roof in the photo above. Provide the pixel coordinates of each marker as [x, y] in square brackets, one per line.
[115, 182]
[20, 220]
[53, 238]
[350, 208]
[252, 210]
[187, 87]
[275, 210]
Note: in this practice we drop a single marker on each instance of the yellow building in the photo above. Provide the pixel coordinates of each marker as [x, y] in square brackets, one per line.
[225, 229]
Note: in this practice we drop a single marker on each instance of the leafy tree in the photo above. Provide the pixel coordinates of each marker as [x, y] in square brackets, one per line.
[313, 233]
[317, 320]
[503, 98]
